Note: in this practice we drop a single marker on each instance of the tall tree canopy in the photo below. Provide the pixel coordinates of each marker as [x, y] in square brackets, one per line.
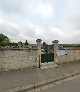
[4, 38]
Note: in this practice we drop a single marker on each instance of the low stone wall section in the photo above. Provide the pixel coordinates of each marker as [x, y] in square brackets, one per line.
[18, 59]
[72, 56]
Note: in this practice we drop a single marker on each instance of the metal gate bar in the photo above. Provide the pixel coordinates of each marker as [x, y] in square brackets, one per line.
[47, 57]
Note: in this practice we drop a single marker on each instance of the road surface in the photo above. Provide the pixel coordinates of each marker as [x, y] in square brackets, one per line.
[13, 79]
[69, 86]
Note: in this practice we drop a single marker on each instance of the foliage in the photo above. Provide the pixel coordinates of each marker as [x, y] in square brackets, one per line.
[12, 44]
[4, 41]
[8, 44]
[44, 43]
[26, 43]
[20, 42]
[75, 45]
[45, 47]
[4, 38]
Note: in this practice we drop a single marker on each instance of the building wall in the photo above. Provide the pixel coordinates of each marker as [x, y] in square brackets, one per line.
[72, 55]
[17, 59]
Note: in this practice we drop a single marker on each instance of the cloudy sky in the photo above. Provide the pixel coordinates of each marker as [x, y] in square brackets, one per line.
[46, 19]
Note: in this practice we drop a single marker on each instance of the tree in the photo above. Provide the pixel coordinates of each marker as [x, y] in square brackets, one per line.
[20, 43]
[4, 38]
[44, 43]
[45, 47]
[26, 43]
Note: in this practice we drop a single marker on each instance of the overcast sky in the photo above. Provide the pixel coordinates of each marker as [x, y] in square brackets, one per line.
[46, 19]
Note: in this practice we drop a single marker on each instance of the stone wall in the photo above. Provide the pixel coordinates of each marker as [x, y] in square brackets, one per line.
[72, 56]
[17, 59]
[20, 59]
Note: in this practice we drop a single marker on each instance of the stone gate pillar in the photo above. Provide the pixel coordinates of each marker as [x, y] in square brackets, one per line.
[56, 48]
[39, 50]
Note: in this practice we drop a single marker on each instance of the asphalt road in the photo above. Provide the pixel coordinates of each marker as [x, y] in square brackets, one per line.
[13, 79]
[69, 86]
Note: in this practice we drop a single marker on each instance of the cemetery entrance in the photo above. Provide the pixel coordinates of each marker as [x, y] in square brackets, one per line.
[48, 56]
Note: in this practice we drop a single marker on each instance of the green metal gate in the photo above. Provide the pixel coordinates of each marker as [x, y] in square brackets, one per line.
[47, 57]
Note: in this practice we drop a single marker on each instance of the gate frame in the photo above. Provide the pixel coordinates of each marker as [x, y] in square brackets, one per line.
[55, 51]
